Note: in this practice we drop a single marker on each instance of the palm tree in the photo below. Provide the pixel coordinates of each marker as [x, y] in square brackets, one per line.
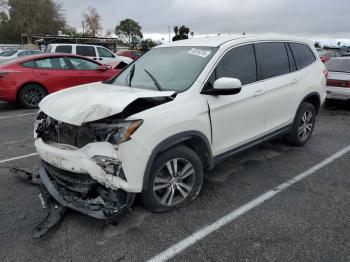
[176, 30]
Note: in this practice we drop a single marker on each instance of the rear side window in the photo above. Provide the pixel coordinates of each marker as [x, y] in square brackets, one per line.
[272, 59]
[30, 64]
[86, 50]
[104, 52]
[64, 49]
[238, 63]
[302, 54]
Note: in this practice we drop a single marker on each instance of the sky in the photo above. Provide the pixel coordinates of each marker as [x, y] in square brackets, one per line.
[315, 19]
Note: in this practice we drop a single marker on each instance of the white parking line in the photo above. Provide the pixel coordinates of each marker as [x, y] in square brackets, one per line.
[16, 158]
[2, 117]
[202, 233]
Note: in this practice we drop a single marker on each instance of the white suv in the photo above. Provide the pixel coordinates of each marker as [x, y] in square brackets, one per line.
[95, 52]
[171, 115]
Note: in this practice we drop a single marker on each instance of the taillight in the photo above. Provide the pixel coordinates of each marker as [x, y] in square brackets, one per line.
[338, 83]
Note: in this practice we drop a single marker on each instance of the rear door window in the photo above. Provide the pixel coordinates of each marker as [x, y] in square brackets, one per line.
[302, 54]
[30, 64]
[64, 49]
[238, 63]
[57, 63]
[272, 59]
[86, 50]
[102, 52]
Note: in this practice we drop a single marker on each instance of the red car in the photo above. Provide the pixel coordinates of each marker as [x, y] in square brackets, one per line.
[28, 79]
[133, 54]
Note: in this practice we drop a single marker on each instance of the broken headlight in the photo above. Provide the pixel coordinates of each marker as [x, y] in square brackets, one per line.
[117, 132]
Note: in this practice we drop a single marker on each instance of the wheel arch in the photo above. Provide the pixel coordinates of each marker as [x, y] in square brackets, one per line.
[314, 99]
[195, 140]
[30, 83]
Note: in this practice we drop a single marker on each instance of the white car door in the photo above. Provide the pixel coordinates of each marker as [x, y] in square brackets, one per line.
[277, 68]
[106, 56]
[240, 118]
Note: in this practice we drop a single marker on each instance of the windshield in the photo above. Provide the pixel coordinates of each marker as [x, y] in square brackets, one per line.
[166, 68]
[339, 65]
[8, 53]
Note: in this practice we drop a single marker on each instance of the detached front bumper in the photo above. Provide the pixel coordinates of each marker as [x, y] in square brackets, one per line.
[82, 193]
[128, 177]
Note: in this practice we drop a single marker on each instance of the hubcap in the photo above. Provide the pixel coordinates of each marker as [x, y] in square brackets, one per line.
[306, 124]
[33, 96]
[174, 182]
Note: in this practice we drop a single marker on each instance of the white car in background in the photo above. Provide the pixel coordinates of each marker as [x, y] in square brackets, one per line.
[14, 53]
[338, 82]
[95, 52]
[177, 111]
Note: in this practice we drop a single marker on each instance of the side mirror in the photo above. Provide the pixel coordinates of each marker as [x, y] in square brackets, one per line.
[103, 68]
[224, 86]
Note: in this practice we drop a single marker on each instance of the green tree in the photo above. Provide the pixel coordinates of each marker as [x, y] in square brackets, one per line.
[148, 43]
[317, 45]
[129, 31]
[34, 16]
[91, 21]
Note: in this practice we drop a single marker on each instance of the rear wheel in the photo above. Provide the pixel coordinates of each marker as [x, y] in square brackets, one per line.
[176, 179]
[303, 125]
[30, 95]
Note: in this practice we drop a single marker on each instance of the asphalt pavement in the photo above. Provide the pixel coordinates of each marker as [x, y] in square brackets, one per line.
[308, 221]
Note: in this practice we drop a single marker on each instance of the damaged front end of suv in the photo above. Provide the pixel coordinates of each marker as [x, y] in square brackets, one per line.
[85, 154]
[96, 196]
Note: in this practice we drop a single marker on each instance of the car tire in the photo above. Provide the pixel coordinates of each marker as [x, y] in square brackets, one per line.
[30, 95]
[303, 125]
[166, 191]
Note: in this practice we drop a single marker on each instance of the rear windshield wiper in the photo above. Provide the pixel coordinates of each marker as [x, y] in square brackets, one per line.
[156, 83]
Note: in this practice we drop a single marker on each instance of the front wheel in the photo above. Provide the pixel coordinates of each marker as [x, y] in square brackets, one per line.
[303, 125]
[176, 179]
[30, 95]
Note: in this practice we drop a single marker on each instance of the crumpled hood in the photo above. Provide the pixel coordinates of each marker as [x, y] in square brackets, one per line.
[93, 101]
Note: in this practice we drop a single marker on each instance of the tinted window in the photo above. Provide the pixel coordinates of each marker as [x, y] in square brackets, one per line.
[238, 63]
[64, 49]
[302, 54]
[272, 59]
[104, 52]
[82, 64]
[52, 63]
[30, 64]
[86, 50]
[24, 53]
[8, 53]
[339, 65]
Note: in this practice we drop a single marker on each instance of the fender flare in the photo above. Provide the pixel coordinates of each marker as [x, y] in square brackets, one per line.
[309, 95]
[170, 142]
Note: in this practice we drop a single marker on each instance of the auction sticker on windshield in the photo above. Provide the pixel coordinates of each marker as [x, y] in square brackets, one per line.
[199, 52]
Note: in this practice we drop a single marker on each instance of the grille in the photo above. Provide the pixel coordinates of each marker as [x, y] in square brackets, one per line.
[75, 181]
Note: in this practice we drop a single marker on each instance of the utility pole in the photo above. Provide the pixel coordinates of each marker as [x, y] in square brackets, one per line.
[169, 32]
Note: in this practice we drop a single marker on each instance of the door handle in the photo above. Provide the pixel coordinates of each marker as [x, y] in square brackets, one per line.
[258, 92]
[95, 58]
[44, 74]
[100, 59]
